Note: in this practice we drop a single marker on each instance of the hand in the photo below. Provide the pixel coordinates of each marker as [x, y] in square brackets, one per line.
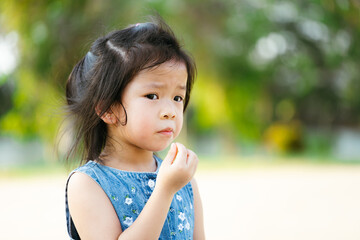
[177, 169]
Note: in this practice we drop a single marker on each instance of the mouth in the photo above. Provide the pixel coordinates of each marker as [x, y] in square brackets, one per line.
[167, 132]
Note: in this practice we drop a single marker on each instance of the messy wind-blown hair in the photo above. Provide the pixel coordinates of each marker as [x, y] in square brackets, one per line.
[98, 80]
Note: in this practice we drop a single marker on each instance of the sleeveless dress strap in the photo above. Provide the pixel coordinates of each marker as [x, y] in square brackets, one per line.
[74, 235]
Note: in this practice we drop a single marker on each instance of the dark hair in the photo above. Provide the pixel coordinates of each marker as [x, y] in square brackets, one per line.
[99, 79]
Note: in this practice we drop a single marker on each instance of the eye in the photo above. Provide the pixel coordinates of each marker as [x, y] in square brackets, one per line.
[152, 96]
[178, 99]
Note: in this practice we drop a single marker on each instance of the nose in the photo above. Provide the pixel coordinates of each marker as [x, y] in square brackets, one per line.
[167, 116]
[168, 112]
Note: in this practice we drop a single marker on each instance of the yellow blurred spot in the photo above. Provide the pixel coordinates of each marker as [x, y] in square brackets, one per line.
[284, 137]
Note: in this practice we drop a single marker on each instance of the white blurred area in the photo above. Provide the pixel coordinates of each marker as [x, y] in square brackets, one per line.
[285, 202]
[33, 208]
[9, 52]
[282, 203]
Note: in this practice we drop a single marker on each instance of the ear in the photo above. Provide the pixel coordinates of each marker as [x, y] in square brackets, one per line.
[108, 117]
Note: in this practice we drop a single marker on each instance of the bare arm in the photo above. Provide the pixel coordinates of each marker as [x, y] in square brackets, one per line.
[95, 217]
[91, 209]
[199, 233]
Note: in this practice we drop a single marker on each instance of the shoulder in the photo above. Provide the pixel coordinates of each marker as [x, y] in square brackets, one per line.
[199, 232]
[194, 184]
[90, 208]
[82, 190]
[80, 182]
[195, 189]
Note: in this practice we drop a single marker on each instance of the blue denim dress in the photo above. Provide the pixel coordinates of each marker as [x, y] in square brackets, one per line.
[129, 192]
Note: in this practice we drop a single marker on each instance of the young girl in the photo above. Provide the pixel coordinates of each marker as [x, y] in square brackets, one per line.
[126, 98]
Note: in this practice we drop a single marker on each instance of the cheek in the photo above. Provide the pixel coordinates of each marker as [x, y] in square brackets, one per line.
[179, 123]
[140, 120]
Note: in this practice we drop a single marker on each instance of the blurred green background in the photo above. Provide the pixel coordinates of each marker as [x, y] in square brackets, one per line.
[276, 79]
[274, 114]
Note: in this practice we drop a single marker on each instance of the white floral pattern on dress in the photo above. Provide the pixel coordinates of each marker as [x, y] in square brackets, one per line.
[133, 189]
[182, 216]
[187, 226]
[178, 197]
[191, 206]
[128, 221]
[180, 227]
[151, 183]
[128, 201]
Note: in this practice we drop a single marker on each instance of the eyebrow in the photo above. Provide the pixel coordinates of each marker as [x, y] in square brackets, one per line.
[161, 85]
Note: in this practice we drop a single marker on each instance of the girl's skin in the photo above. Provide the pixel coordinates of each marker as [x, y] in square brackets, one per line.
[154, 115]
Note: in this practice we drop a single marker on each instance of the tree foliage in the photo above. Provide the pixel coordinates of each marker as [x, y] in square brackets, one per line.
[259, 61]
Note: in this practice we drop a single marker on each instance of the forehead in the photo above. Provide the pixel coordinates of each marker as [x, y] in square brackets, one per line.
[169, 72]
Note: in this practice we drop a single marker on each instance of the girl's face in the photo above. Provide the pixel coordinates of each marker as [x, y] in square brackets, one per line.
[154, 103]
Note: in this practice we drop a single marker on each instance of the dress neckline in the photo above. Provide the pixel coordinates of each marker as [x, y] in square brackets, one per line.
[157, 161]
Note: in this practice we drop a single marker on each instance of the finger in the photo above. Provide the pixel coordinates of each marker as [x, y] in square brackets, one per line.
[187, 155]
[181, 155]
[192, 161]
[176, 152]
[170, 157]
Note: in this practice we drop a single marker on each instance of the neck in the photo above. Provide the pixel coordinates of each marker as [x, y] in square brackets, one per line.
[128, 158]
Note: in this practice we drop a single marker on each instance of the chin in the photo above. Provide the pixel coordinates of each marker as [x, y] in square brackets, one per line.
[159, 147]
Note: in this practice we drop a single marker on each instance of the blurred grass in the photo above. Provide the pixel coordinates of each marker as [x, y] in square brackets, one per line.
[260, 161]
[40, 169]
[227, 163]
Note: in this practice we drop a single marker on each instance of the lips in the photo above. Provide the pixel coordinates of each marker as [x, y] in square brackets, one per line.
[167, 132]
